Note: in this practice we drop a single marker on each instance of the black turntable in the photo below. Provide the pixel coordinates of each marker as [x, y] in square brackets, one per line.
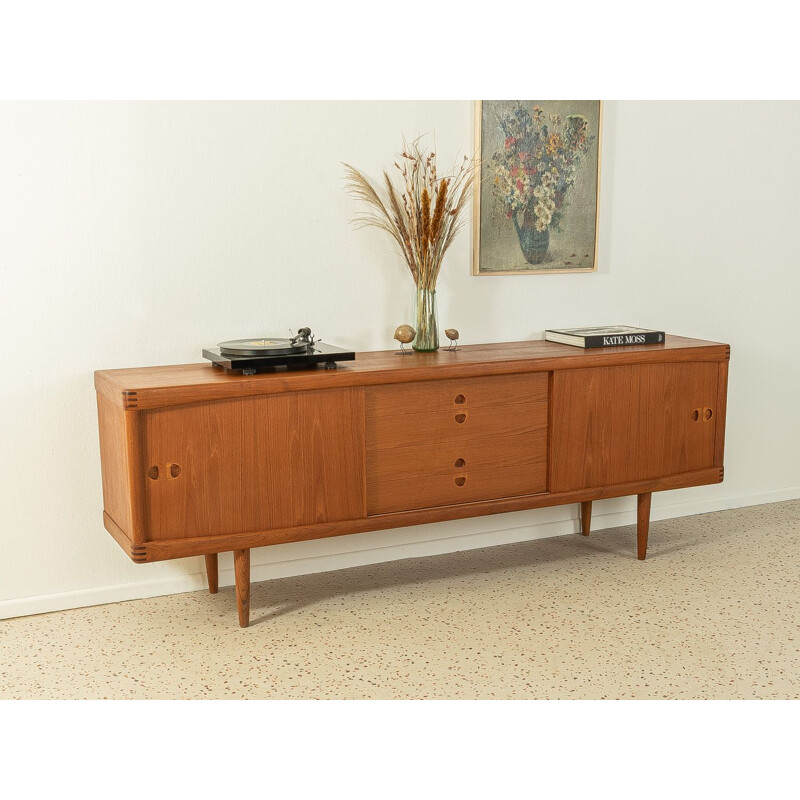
[259, 355]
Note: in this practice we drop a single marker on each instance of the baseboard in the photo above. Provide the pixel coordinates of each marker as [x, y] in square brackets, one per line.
[282, 561]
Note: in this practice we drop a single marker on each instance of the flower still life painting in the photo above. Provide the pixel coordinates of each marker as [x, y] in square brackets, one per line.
[536, 201]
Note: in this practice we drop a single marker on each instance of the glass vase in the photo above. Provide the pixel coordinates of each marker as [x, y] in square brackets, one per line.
[427, 338]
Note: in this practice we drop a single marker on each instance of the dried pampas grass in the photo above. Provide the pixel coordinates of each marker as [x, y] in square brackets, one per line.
[422, 213]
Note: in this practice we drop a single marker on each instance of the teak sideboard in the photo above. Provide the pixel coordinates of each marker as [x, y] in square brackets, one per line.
[197, 461]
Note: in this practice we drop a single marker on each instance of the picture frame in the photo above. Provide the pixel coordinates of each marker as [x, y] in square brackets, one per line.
[537, 189]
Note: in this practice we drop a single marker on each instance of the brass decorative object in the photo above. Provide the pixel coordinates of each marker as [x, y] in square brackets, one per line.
[452, 335]
[405, 335]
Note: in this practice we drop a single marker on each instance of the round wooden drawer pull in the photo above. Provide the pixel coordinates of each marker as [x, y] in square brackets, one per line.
[461, 418]
[460, 463]
[460, 480]
[460, 399]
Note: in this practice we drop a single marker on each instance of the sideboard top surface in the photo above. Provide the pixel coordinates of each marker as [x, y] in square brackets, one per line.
[154, 387]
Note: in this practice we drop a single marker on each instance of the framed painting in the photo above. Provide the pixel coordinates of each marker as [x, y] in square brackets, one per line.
[536, 202]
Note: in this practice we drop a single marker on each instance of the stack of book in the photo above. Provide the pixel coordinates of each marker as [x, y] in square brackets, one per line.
[606, 336]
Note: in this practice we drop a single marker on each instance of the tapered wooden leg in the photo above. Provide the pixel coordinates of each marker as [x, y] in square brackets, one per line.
[212, 570]
[586, 517]
[642, 523]
[241, 566]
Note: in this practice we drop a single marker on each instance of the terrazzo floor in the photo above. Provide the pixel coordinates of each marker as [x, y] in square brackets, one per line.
[713, 613]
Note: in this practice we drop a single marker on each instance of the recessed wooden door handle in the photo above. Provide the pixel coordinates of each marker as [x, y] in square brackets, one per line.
[461, 417]
[460, 399]
[460, 480]
[707, 414]
[460, 463]
[702, 414]
[172, 471]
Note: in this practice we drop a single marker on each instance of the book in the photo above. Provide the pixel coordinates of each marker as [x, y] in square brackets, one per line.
[605, 336]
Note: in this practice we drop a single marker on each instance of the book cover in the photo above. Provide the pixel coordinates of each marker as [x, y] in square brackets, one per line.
[605, 336]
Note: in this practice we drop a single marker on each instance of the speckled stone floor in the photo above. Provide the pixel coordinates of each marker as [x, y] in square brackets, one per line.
[714, 612]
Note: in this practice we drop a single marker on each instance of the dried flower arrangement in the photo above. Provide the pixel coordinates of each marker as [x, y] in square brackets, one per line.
[422, 213]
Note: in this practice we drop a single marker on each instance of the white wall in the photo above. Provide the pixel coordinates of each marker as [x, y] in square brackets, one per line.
[138, 233]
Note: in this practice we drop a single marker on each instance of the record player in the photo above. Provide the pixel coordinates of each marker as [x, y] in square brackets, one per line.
[264, 354]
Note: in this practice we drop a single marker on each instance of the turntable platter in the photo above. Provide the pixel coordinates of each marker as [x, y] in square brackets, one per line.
[261, 347]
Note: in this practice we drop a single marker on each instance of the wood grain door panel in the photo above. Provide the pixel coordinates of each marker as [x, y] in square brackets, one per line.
[613, 425]
[254, 463]
[204, 442]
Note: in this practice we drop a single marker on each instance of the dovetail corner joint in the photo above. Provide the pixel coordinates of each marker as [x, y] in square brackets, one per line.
[130, 399]
[139, 553]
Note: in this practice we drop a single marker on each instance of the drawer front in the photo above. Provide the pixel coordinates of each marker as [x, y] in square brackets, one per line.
[438, 410]
[452, 472]
[414, 398]
[450, 442]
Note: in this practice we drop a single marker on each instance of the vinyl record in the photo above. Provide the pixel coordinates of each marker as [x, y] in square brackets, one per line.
[260, 347]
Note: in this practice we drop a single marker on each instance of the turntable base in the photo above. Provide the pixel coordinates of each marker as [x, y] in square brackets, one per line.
[320, 353]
